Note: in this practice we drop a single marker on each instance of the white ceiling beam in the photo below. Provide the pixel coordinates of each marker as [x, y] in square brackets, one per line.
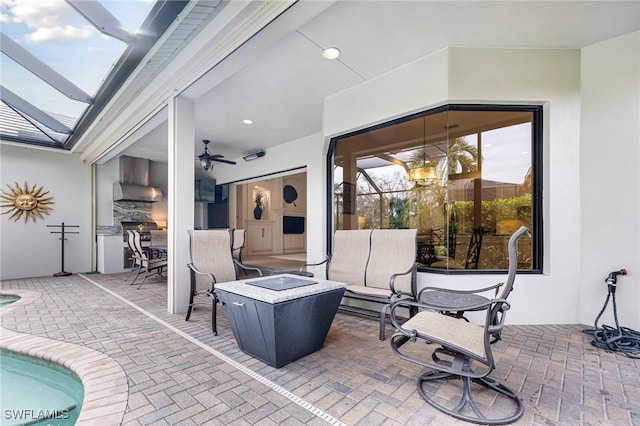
[42, 70]
[102, 19]
[15, 101]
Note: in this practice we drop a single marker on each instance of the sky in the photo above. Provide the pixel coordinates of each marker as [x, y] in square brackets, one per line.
[58, 35]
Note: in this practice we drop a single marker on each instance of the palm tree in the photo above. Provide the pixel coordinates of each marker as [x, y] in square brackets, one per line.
[462, 156]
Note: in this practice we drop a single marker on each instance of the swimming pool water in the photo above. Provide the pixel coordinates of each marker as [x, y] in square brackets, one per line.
[5, 299]
[37, 393]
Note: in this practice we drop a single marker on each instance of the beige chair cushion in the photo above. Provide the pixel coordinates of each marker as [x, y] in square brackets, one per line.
[457, 332]
[350, 255]
[211, 253]
[392, 251]
[369, 291]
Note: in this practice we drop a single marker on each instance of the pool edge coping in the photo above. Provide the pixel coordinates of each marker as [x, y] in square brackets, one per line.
[106, 388]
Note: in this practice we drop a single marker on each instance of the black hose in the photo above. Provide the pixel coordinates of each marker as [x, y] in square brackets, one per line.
[618, 339]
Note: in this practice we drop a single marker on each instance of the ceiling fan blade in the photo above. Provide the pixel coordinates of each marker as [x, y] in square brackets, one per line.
[207, 156]
[223, 161]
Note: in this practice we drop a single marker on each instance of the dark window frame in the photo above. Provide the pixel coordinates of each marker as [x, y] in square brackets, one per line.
[537, 169]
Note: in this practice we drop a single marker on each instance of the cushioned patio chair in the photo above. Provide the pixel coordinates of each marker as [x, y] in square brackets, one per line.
[458, 349]
[376, 265]
[142, 262]
[238, 243]
[211, 262]
[456, 300]
[458, 354]
[135, 263]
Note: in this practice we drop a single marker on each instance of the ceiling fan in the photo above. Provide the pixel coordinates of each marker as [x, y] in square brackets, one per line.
[207, 159]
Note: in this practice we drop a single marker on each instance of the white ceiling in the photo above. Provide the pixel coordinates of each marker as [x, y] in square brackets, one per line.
[282, 87]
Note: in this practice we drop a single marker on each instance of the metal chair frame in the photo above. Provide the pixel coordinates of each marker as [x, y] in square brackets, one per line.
[141, 260]
[461, 354]
[453, 360]
[211, 276]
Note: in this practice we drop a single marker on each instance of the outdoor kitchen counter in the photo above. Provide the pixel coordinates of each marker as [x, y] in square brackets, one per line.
[109, 249]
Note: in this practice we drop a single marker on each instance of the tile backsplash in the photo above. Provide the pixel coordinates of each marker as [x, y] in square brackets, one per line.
[131, 211]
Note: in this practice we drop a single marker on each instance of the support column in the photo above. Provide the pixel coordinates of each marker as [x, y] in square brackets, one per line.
[181, 151]
[349, 190]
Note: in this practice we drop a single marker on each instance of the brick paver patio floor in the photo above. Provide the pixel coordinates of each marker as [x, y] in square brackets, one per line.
[179, 373]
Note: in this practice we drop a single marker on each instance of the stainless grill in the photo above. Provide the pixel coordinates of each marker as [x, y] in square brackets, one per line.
[145, 229]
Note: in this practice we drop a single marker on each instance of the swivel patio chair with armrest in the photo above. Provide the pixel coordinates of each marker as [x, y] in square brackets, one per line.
[457, 349]
[211, 262]
[457, 301]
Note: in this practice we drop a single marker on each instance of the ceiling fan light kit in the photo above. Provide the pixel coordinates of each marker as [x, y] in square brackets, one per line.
[207, 164]
[207, 159]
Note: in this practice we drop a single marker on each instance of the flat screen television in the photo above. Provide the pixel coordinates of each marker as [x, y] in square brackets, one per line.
[292, 225]
[205, 190]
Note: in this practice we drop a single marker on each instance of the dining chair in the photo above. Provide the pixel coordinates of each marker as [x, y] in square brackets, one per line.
[158, 239]
[211, 262]
[142, 261]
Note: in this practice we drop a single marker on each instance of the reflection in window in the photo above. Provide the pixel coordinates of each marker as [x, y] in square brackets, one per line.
[462, 175]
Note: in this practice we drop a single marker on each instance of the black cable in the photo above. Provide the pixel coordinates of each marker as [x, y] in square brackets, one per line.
[618, 339]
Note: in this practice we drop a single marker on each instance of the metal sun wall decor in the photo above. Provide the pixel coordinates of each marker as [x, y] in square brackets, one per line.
[24, 201]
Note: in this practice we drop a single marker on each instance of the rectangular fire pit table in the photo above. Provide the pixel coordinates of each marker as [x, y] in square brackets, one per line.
[280, 318]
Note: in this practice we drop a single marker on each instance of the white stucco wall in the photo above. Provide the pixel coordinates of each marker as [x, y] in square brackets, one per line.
[106, 175]
[29, 249]
[610, 177]
[309, 152]
[543, 77]
[550, 78]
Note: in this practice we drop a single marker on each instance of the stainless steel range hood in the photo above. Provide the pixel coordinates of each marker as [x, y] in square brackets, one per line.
[134, 181]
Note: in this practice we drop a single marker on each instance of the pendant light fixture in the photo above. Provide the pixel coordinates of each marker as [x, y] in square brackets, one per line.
[423, 175]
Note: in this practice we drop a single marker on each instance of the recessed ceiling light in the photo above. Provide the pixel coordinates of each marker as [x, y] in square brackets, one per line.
[247, 121]
[331, 53]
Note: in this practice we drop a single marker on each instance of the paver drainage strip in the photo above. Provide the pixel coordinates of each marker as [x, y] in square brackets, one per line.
[302, 403]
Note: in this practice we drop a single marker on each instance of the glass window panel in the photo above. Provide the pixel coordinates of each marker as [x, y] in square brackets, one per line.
[462, 176]
[60, 37]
